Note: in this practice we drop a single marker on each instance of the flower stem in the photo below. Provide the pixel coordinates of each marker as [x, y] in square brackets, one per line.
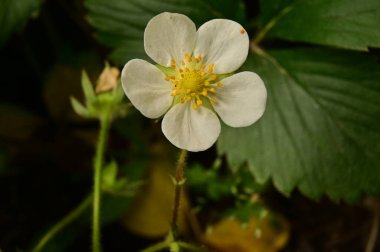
[98, 163]
[74, 214]
[179, 181]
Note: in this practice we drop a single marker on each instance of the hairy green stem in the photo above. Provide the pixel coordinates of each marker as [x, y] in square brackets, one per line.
[179, 180]
[74, 214]
[98, 164]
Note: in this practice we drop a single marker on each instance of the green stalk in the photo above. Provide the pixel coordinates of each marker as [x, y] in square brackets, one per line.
[179, 180]
[74, 214]
[98, 163]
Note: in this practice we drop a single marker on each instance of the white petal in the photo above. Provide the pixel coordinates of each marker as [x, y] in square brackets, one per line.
[145, 86]
[189, 129]
[169, 36]
[224, 43]
[242, 99]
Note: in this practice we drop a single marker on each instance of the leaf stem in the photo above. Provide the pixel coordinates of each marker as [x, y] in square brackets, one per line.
[74, 214]
[179, 181]
[98, 163]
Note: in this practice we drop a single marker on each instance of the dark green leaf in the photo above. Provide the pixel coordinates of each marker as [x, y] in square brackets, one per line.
[321, 128]
[352, 24]
[14, 14]
[120, 24]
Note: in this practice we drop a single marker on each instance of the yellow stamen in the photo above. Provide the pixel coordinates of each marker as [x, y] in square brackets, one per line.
[188, 90]
[198, 58]
[213, 100]
[212, 90]
[242, 31]
[188, 98]
[211, 68]
[193, 94]
[199, 102]
[187, 56]
[207, 83]
[213, 77]
[195, 106]
[204, 92]
[172, 63]
[183, 63]
[203, 66]
[219, 84]
[167, 78]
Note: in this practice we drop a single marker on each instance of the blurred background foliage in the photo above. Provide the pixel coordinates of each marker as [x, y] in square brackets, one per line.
[319, 138]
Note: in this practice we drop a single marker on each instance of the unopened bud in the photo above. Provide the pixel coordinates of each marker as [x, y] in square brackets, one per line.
[108, 79]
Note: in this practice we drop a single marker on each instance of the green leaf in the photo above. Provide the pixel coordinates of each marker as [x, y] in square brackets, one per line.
[14, 15]
[351, 24]
[321, 128]
[120, 24]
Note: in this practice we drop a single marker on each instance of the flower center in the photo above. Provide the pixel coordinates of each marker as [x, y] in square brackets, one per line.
[193, 81]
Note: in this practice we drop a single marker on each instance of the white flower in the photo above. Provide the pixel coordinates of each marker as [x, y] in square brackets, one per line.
[190, 84]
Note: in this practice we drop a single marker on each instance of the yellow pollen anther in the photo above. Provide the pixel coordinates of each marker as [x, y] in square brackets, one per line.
[213, 77]
[187, 56]
[203, 66]
[242, 31]
[195, 106]
[212, 90]
[180, 70]
[219, 84]
[198, 58]
[204, 92]
[213, 100]
[172, 77]
[182, 100]
[207, 83]
[193, 94]
[187, 69]
[183, 63]
[172, 94]
[188, 90]
[201, 73]
[172, 63]
[199, 102]
[188, 98]
[167, 78]
[211, 68]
